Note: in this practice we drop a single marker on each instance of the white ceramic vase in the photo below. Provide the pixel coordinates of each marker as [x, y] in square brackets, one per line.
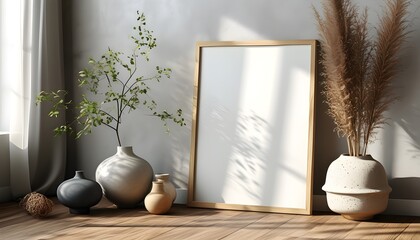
[125, 178]
[357, 187]
[167, 184]
[158, 201]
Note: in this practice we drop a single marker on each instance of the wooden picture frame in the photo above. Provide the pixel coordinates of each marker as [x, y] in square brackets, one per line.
[253, 126]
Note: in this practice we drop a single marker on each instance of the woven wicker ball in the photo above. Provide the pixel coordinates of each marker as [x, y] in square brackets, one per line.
[37, 204]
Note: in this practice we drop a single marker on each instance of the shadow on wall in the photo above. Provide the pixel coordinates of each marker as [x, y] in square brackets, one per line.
[405, 188]
[408, 121]
[409, 115]
[406, 116]
[182, 68]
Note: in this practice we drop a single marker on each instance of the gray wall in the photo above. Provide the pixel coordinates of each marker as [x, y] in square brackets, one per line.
[91, 26]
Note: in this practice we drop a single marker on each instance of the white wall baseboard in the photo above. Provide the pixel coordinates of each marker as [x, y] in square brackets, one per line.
[181, 196]
[402, 207]
[395, 206]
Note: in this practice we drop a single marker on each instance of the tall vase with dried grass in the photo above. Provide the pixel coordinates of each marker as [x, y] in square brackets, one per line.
[359, 70]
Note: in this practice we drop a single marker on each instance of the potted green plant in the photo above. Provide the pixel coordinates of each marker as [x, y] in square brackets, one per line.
[358, 74]
[114, 87]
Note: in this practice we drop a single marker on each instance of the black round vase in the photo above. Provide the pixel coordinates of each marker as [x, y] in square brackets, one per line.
[79, 193]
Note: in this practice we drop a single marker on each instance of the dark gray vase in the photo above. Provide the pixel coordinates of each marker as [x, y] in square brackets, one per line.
[79, 194]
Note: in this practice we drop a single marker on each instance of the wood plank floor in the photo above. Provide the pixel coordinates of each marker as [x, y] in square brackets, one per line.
[108, 222]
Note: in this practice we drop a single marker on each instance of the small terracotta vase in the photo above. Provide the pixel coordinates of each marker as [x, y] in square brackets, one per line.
[167, 185]
[158, 201]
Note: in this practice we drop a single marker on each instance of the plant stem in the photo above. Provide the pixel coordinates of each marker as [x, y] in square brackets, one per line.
[349, 146]
[364, 148]
[357, 145]
[118, 137]
[113, 118]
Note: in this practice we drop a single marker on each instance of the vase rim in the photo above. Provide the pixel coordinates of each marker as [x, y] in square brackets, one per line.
[122, 147]
[161, 174]
[125, 150]
[360, 155]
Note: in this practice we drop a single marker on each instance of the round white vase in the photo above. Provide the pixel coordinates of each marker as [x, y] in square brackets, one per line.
[167, 184]
[356, 187]
[125, 178]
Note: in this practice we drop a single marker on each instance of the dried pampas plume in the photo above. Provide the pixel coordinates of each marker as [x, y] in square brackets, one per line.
[358, 71]
[37, 204]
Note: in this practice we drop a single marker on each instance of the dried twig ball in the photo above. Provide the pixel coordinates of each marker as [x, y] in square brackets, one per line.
[37, 204]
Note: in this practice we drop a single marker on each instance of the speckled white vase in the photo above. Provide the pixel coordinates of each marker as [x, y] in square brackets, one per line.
[356, 187]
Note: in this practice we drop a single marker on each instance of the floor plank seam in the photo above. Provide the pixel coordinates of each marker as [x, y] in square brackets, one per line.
[402, 232]
[241, 228]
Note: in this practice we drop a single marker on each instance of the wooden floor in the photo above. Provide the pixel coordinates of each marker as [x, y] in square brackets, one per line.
[108, 222]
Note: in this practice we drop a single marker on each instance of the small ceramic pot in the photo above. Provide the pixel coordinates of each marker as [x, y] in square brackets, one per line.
[158, 201]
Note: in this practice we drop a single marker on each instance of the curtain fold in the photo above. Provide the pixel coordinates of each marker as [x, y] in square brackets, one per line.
[46, 151]
[37, 158]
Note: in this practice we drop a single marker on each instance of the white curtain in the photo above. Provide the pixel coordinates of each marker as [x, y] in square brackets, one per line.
[31, 61]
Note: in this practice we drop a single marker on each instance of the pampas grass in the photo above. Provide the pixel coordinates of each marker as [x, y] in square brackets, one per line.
[358, 70]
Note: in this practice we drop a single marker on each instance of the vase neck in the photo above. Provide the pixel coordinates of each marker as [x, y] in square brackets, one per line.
[125, 150]
[158, 186]
[79, 174]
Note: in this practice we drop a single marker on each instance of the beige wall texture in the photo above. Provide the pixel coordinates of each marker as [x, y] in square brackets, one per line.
[91, 26]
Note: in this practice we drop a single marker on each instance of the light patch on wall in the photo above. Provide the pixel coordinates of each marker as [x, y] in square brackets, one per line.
[231, 29]
[406, 161]
[396, 149]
